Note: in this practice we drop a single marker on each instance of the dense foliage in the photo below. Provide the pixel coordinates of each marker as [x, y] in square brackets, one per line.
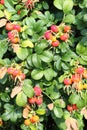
[43, 65]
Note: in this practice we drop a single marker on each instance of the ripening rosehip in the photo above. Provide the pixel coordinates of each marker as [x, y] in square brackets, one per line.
[75, 78]
[14, 40]
[22, 76]
[39, 101]
[34, 119]
[67, 81]
[27, 122]
[48, 35]
[9, 26]
[67, 28]
[64, 37]
[32, 100]
[2, 2]
[17, 27]
[74, 106]
[15, 73]
[80, 70]
[10, 35]
[69, 108]
[55, 43]
[37, 91]
[10, 70]
[54, 28]
[85, 74]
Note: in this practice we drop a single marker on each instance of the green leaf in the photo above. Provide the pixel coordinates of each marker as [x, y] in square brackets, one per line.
[69, 18]
[67, 5]
[21, 99]
[27, 43]
[37, 74]
[81, 49]
[58, 4]
[40, 111]
[3, 48]
[28, 90]
[49, 74]
[46, 56]
[58, 112]
[1, 14]
[10, 6]
[5, 97]
[36, 60]
[22, 53]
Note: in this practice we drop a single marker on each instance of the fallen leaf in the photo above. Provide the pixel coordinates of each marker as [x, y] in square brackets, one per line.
[15, 47]
[26, 111]
[3, 22]
[71, 124]
[3, 72]
[50, 106]
[15, 91]
[84, 112]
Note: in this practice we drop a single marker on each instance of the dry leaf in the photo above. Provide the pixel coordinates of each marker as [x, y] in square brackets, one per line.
[3, 72]
[3, 22]
[84, 112]
[71, 124]
[15, 47]
[26, 111]
[50, 106]
[15, 91]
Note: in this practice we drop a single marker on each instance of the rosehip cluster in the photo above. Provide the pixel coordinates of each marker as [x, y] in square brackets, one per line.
[13, 34]
[80, 74]
[2, 2]
[37, 99]
[72, 107]
[16, 73]
[33, 119]
[56, 34]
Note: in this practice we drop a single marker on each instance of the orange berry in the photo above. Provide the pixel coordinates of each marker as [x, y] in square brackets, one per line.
[27, 122]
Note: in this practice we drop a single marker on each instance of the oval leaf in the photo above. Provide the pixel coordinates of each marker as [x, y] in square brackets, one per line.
[21, 99]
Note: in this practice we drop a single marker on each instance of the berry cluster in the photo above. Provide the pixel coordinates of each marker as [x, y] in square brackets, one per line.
[56, 34]
[37, 99]
[76, 79]
[13, 34]
[72, 107]
[15, 73]
[33, 119]
[2, 2]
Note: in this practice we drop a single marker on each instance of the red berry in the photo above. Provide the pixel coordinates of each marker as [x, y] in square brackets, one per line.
[37, 91]
[74, 106]
[17, 27]
[34, 119]
[55, 43]
[10, 70]
[15, 73]
[2, 2]
[14, 40]
[48, 35]
[54, 28]
[39, 101]
[9, 26]
[75, 78]
[22, 76]
[64, 37]
[67, 81]
[80, 70]
[10, 35]
[67, 28]
[32, 100]
[69, 108]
